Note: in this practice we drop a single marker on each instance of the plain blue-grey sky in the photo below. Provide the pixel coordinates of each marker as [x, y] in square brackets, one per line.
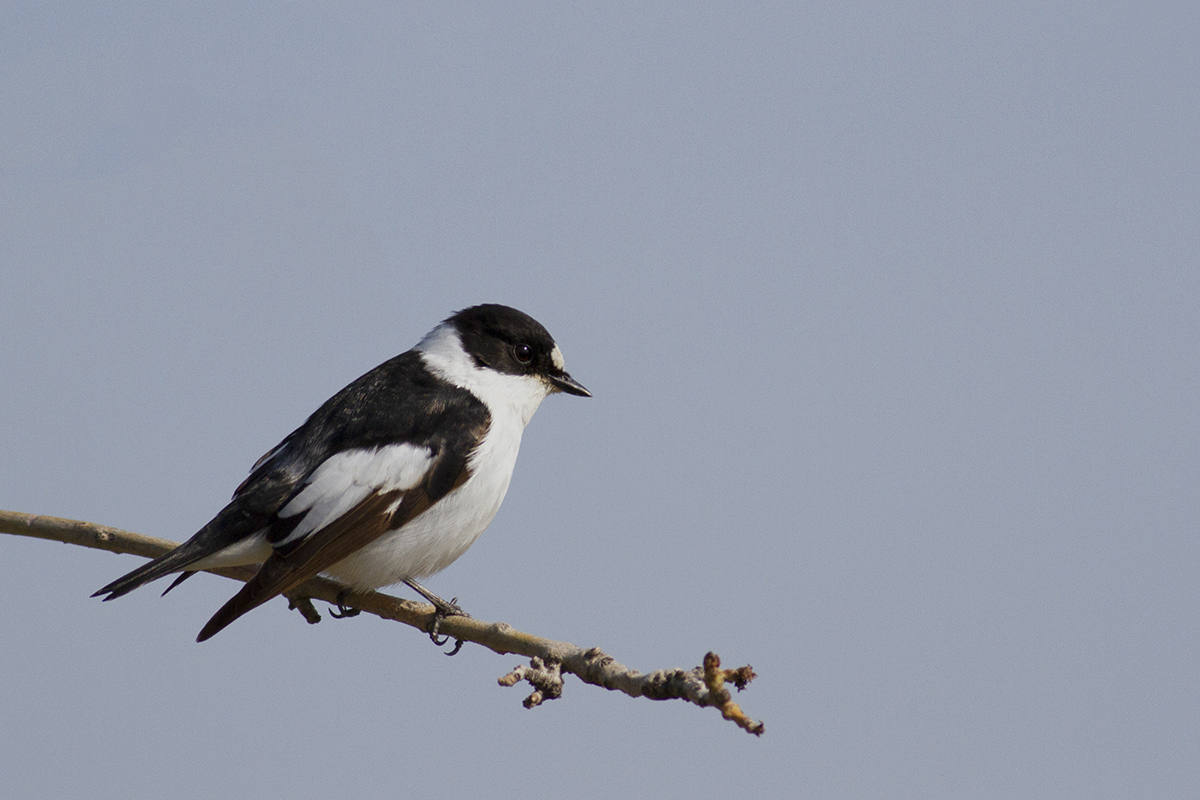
[892, 317]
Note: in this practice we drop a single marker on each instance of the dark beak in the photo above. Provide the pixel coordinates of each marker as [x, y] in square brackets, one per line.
[565, 383]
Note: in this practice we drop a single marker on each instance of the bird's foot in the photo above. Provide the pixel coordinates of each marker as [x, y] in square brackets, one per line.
[441, 610]
[344, 610]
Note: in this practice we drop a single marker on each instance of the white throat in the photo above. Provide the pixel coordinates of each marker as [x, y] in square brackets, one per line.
[505, 395]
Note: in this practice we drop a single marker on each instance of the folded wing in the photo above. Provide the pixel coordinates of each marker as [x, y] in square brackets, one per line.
[349, 501]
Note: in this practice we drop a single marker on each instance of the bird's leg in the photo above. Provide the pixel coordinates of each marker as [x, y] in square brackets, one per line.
[442, 609]
[344, 610]
[445, 608]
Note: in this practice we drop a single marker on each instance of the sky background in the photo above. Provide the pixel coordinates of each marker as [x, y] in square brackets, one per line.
[892, 317]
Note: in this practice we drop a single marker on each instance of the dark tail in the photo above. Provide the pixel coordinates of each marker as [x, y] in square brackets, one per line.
[227, 528]
[174, 561]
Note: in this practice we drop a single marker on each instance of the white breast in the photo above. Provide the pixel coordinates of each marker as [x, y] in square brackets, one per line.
[433, 540]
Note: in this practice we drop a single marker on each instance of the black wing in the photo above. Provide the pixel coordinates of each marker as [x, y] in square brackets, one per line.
[398, 402]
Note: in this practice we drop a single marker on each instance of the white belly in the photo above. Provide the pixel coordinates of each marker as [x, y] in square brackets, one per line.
[432, 541]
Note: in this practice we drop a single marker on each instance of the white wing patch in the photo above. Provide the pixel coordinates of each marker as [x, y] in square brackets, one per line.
[346, 479]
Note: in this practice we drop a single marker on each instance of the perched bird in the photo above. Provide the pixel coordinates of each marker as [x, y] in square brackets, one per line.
[393, 478]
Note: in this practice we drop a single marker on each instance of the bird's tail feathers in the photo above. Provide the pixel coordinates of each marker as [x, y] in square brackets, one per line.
[226, 529]
[174, 561]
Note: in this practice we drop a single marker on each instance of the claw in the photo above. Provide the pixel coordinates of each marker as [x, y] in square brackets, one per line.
[441, 610]
[435, 625]
[344, 610]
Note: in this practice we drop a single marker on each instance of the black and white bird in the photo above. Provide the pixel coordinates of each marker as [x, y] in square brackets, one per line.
[393, 478]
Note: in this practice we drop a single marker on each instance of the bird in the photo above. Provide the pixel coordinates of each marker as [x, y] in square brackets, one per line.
[392, 478]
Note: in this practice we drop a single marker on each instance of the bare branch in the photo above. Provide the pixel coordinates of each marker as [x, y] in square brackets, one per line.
[703, 685]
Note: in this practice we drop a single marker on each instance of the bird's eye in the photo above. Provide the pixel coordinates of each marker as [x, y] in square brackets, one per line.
[523, 353]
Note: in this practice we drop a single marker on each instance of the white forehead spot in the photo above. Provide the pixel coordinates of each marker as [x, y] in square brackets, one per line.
[557, 358]
[443, 354]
